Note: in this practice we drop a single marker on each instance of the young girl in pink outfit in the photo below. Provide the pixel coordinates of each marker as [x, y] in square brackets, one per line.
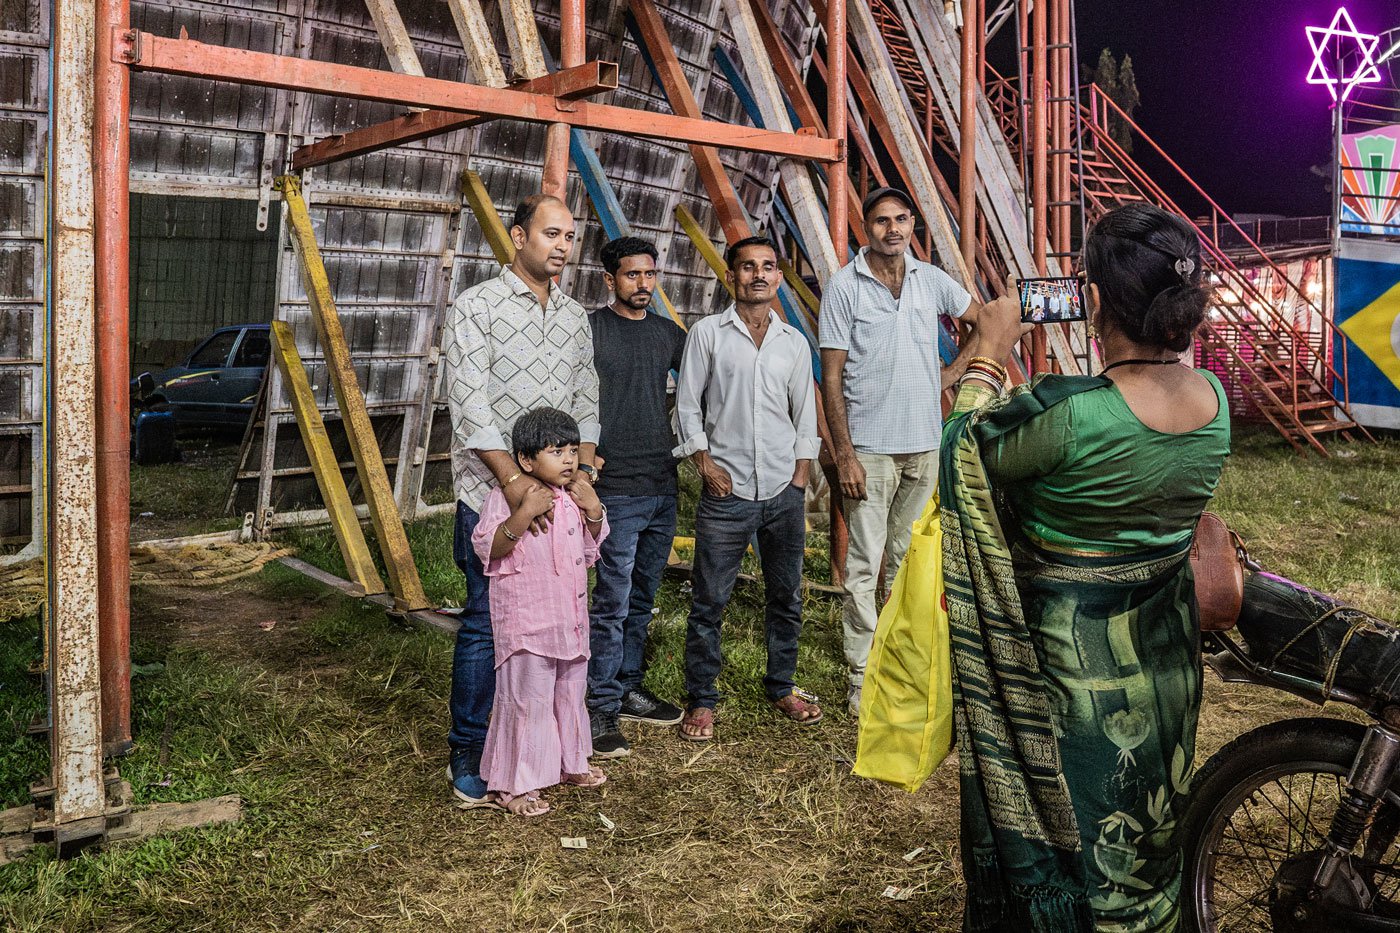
[537, 555]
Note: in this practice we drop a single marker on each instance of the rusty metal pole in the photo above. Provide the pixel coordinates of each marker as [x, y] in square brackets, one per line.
[981, 34]
[838, 181]
[1062, 110]
[75, 687]
[967, 136]
[1039, 164]
[111, 102]
[572, 41]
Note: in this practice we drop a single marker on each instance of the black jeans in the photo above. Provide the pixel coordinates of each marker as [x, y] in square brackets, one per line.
[723, 529]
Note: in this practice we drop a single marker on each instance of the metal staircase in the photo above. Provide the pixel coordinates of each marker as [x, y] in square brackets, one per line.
[1287, 372]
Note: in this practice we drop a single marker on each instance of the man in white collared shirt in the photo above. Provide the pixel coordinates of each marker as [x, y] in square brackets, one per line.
[747, 412]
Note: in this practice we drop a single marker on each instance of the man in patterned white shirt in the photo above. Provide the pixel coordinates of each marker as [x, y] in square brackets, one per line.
[881, 387]
[512, 343]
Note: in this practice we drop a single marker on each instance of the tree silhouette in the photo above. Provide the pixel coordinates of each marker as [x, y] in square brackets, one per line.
[1119, 84]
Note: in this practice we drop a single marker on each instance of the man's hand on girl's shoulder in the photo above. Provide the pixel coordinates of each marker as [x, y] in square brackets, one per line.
[538, 500]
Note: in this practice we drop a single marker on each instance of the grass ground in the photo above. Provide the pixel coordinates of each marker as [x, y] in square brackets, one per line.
[172, 499]
[330, 724]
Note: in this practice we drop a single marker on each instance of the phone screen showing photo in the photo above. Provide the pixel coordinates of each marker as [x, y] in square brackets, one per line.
[1051, 301]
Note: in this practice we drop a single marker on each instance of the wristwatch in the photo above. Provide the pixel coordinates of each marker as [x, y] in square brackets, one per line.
[587, 469]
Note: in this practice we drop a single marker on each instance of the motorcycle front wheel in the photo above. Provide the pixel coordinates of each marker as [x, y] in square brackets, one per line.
[1259, 815]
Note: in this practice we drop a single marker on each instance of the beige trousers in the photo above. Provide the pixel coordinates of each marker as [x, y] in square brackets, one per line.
[897, 487]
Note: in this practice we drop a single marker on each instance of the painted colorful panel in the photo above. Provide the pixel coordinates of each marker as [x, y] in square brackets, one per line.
[1368, 313]
[1371, 181]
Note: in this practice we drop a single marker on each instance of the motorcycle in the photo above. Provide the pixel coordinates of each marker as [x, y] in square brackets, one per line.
[1293, 826]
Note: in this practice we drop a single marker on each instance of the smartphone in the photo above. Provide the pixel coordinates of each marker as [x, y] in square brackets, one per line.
[1051, 301]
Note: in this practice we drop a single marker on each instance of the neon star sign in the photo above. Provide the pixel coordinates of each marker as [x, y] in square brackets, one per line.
[1342, 32]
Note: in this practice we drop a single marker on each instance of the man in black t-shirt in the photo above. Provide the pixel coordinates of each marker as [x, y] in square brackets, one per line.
[633, 351]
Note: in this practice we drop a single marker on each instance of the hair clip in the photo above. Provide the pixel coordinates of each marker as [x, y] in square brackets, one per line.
[1184, 267]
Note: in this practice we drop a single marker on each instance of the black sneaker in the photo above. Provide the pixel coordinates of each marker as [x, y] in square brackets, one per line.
[608, 740]
[640, 706]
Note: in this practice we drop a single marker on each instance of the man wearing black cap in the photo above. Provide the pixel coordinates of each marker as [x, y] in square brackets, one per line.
[881, 384]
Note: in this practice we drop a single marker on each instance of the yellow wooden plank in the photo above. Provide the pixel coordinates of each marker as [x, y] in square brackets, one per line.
[492, 227]
[369, 462]
[697, 235]
[806, 298]
[348, 533]
[670, 308]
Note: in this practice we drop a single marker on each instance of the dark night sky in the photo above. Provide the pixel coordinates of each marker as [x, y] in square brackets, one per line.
[1223, 91]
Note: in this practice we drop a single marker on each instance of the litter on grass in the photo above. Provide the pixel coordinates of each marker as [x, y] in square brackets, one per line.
[573, 842]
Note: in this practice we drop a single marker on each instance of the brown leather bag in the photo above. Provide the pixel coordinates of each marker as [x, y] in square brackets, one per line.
[1218, 561]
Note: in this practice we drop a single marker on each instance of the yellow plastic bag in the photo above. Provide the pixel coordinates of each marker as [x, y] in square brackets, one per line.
[906, 715]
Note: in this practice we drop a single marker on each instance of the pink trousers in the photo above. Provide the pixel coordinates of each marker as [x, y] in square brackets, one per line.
[539, 726]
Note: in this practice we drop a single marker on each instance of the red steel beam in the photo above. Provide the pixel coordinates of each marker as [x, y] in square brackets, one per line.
[682, 99]
[572, 38]
[112, 150]
[967, 132]
[146, 52]
[1063, 113]
[1039, 165]
[838, 189]
[796, 89]
[838, 182]
[569, 84]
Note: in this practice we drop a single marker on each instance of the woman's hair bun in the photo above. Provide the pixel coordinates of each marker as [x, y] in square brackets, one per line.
[1174, 315]
[1146, 263]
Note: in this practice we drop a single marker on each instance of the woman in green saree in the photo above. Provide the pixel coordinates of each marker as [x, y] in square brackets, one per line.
[1068, 507]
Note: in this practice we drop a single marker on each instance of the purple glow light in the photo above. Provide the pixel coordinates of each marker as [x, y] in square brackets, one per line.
[1365, 72]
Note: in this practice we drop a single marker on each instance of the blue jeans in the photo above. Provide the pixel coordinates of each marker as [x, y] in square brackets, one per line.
[723, 528]
[630, 562]
[474, 657]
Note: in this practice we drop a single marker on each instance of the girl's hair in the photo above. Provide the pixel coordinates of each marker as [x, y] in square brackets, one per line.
[540, 428]
[1147, 265]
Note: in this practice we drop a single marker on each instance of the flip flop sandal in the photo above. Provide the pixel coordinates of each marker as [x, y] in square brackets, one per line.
[795, 704]
[593, 778]
[699, 716]
[520, 805]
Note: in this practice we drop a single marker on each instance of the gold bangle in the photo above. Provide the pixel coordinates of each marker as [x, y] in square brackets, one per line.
[513, 478]
[989, 362]
[999, 372]
[510, 535]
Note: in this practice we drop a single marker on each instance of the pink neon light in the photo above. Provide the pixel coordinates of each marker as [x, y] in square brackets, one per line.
[1321, 39]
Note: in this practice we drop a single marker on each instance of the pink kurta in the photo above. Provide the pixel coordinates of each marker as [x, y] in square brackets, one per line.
[539, 591]
[539, 616]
